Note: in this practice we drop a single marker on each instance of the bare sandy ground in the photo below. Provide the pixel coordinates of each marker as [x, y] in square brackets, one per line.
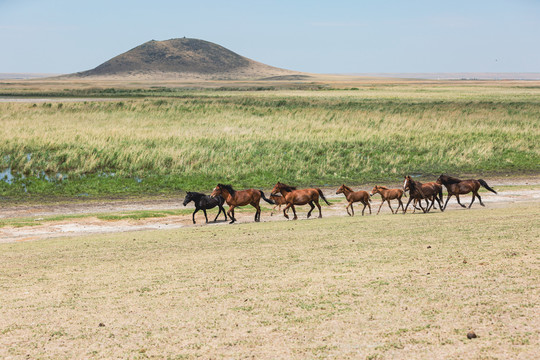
[93, 225]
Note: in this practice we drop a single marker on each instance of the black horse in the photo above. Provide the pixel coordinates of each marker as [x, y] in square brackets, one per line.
[203, 202]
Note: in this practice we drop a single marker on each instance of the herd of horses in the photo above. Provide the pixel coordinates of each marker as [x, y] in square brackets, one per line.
[289, 196]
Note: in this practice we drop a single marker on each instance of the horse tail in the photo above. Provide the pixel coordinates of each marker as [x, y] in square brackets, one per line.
[322, 196]
[265, 199]
[484, 184]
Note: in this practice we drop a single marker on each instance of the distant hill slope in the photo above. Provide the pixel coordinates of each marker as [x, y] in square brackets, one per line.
[181, 59]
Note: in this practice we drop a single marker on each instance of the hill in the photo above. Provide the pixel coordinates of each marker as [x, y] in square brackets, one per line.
[181, 59]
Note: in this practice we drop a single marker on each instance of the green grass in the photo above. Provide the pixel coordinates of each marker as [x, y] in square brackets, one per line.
[373, 287]
[192, 140]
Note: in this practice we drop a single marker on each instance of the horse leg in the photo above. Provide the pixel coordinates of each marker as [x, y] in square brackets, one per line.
[415, 205]
[349, 205]
[421, 207]
[219, 212]
[258, 213]
[407, 206]
[447, 198]
[380, 207]
[390, 206]
[319, 207]
[480, 199]
[364, 208]
[231, 214]
[428, 205]
[310, 210]
[205, 216]
[440, 204]
[294, 212]
[459, 202]
[196, 209]
[400, 204]
[473, 197]
[285, 210]
[352, 209]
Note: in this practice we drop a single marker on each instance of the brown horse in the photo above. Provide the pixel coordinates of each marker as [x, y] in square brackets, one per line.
[354, 196]
[431, 188]
[418, 191]
[279, 200]
[387, 195]
[240, 198]
[299, 197]
[457, 187]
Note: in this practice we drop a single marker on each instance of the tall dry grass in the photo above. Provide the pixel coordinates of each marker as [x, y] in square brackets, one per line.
[255, 138]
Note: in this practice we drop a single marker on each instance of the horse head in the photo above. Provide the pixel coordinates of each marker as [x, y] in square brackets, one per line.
[217, 191]
[276, 189]
[188, 198]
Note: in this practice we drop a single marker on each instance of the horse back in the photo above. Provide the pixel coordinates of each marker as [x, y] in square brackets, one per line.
[302, 196]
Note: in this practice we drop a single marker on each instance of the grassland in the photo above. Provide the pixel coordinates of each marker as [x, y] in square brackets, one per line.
[378, 287]
[149, 140]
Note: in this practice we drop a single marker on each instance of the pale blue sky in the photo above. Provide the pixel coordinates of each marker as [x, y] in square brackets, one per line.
[314, 36]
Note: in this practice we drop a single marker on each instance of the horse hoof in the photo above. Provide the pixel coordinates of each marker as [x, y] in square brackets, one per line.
[232, 222]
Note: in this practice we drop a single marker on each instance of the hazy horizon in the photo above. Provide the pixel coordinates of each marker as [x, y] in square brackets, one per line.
[316, 37]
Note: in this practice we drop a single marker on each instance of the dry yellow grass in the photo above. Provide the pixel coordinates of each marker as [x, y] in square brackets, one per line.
[375, 287]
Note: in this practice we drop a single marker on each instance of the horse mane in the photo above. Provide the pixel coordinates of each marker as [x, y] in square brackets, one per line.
[449, 179]
[195, 195]
[228, 188]
[275, 195]
[413, 184]
[347, 188]
[287, 187]
[382, 187]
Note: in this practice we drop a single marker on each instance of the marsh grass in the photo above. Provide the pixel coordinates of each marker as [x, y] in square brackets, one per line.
[193, 140]
[374, 287]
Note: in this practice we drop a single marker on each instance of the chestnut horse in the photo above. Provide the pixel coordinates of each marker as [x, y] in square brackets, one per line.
[387, 195]
[279, 200]
[457, 187]
[418, 191]
[299, 197]
[240, 198]
[354, 196]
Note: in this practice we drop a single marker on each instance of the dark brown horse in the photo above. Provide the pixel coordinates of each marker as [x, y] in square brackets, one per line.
[240, 198]
[457, 187]
[418, 191]
[387, 195]
[354, 196]
[430, 188]
[299, 197]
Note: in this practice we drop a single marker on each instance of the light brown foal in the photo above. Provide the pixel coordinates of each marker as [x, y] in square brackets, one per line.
[354, 196]
[279, 200]
[387, 195]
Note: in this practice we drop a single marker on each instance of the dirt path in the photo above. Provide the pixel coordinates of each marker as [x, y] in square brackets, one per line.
[93, 225]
